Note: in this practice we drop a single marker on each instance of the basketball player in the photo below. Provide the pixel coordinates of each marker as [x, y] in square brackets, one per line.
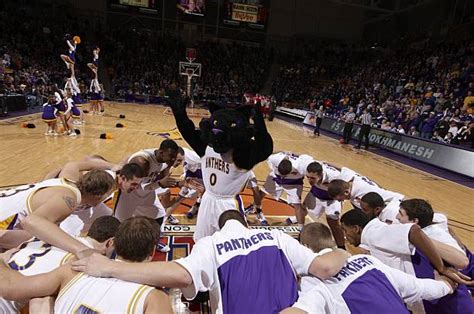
[229, 147]
[191, 163]
[420, 212]
[389, 287]
[256, 206]
[372, 204]
[409, 250]
[287, 173]
[143, 201]
[354, 187]
[244, 270]
[38, 208]
[76, 292]
[319, 174]
[126, 179]
[37, 257]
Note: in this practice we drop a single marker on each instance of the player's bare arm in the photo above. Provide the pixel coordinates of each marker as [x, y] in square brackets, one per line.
[158, 274]
[15, 286]
[451, 255]
[327, 265]
[48, 211]
[421, 241]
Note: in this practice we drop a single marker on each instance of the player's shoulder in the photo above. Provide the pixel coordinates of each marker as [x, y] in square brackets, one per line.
[157, 301]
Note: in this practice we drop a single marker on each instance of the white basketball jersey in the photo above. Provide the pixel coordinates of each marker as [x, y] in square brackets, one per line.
[220, 177]
[155, 167]
[37, 257]
[299, 163]
[192, 161]
[362, 185]
[15, 203]
[84, 294]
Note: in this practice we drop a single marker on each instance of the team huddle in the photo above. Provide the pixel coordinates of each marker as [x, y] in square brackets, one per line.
[66, 251]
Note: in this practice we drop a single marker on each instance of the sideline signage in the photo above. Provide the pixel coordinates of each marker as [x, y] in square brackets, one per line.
[441, 155]
[189, 229]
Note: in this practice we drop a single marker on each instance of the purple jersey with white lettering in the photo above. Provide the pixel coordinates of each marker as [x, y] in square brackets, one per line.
[247, 271]
[366, 285]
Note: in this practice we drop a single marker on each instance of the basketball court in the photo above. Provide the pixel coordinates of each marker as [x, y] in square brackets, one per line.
[145, 126]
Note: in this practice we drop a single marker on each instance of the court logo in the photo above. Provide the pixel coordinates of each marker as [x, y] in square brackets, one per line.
[172, 134]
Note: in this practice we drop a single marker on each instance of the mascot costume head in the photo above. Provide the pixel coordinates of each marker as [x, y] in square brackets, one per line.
[227, 129]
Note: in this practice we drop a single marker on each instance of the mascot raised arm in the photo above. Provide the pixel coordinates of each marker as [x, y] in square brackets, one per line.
[230, 146]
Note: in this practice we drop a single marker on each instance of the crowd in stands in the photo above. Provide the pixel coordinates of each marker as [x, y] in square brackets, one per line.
[228, 71]
[424, 89]
[421, 89]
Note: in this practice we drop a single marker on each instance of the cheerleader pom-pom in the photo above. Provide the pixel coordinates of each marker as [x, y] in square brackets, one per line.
[77, 39]
[106, 136]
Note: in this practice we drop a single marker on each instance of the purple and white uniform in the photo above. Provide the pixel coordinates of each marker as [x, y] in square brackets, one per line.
[49, 112]
[60, 106]
[362, 185]
[72, 50]
[95, 89]
[397, 251]
[95, 58]
[292, 184]
[318, 200]
[247, 271]
[383, 289]
[192, 169]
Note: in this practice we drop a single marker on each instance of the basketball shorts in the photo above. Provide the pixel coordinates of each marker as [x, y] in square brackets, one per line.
[316, 207]
[293, 192]
[212, 206]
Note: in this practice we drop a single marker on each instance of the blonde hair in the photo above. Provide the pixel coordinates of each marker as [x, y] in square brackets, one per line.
[96, 183]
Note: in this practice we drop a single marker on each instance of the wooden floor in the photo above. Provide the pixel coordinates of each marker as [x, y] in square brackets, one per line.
[26, 155]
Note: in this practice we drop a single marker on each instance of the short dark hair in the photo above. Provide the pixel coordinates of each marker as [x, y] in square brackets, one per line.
[103, 228]
[419, 209]
[231, 214]
[373, 199]
[136, 238]
[355, 217]
[285, 167]
[317, 237]
[336, 187]
[180, 151]
[132, 170]
[169, 145]
[96, 182]
[315, 167]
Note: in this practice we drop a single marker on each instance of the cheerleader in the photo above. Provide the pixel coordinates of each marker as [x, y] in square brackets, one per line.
[49, 116]
[70, 58]
[94, 65]
[95, 95]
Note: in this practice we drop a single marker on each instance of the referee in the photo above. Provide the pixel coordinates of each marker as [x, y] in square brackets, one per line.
[348, 118]
[366, 120]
